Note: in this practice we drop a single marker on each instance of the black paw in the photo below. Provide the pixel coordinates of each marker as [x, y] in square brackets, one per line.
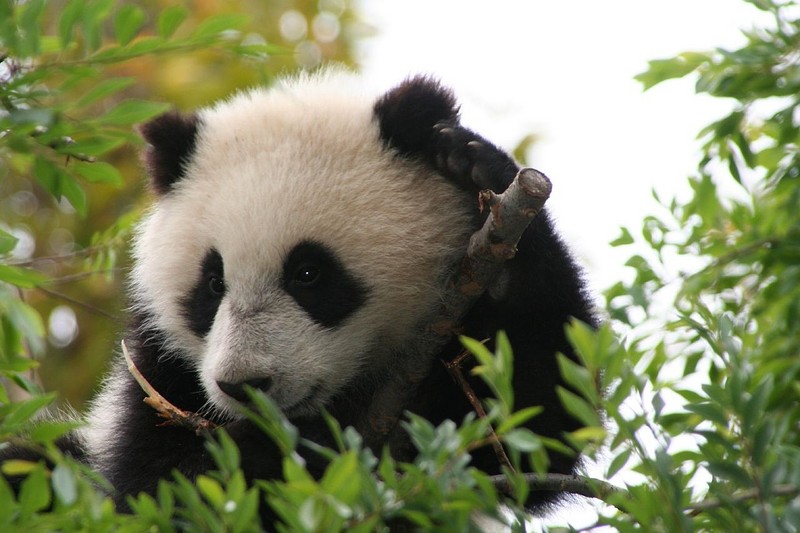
[469, 160]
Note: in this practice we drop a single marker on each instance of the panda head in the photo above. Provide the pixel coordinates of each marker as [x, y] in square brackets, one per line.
[297, 241]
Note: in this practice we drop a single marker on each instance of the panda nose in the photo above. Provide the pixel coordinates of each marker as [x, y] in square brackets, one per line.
[237, 390]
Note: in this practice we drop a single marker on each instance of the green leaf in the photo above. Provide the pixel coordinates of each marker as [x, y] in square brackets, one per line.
[211, 491]
[35, 492]
[17, 467]
[479, 350]
[26, 325]
[578, 407]
[386, 469]
[9, 510]
[30, 28]
[578, 377]
[98, 172]
[342, 478]
[22, 411]
[95, 14]
[74, 193]
[64, 485]
[49, 431]
[169, 20]
[709, 411]
[67, 18]
[660, 70]
[518, 418]
[523, 440]
[618, 462]
[729, 471]
[92, 146]
[132, 112]
[60, 184]
[127, 23]
[217, 24]
[104, 89]
[7, 242]
[624, 239]
[21, 277]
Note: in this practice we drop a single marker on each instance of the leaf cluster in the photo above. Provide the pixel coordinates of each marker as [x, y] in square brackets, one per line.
[710, 316]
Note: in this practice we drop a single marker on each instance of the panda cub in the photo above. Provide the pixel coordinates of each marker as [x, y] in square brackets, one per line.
[299, 239]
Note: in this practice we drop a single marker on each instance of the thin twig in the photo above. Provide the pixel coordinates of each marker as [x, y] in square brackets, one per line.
[80, 276]
[69, 299]
[174, 416]
[571, 483]
[69, 256]
[454, 368]
[738, 497]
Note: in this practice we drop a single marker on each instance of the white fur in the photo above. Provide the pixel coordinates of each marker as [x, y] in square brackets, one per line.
[272, 168]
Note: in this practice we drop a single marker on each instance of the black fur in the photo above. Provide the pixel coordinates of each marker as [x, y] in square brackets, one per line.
[171, 138]
[539, 290]
[147, 450]
[408, 113]
[321, 285]
[201, 305]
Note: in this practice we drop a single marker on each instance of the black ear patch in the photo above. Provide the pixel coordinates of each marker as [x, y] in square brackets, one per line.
[171, 138]
[408, 113]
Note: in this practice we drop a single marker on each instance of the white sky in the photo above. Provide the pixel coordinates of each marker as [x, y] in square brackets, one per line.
[564, 71]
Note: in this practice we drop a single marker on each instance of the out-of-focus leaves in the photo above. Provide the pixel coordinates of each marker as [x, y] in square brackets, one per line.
[169, 20]
[721, 361]
[128, 22]
[132, 112]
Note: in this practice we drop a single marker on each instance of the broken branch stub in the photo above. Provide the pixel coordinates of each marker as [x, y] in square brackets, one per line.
[510, 214]
[172, 415]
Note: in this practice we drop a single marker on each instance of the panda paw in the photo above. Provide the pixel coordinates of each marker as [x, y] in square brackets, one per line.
[470, 160]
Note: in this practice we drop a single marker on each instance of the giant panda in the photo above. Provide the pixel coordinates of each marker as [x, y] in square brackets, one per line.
[299, 238]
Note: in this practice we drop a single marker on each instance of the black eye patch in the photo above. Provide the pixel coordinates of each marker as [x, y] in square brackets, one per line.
[321, 285]
[200, 306]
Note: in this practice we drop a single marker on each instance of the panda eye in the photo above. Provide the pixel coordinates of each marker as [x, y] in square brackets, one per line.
[216, 285]
[306, 275]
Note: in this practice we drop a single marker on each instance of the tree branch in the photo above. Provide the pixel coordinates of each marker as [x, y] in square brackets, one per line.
[574, 484]
[738, 497]
[174, 416]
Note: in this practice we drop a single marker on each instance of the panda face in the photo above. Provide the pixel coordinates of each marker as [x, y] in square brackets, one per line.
[296, 252]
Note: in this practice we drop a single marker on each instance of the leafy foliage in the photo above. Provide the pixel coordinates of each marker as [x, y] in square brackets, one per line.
[711, 383]
[696, 372]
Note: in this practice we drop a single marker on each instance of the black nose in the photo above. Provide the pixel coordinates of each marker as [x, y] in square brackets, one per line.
[237, 392]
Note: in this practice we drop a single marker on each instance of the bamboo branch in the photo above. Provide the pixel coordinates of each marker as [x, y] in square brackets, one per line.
[173, 416]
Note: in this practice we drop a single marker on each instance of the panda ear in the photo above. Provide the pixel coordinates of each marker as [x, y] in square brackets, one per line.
[407, 114]
[171, 140]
